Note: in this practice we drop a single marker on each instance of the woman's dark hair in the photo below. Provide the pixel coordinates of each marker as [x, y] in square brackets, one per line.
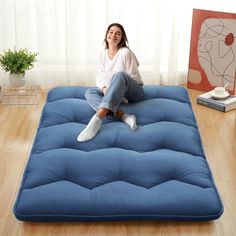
[124, 39]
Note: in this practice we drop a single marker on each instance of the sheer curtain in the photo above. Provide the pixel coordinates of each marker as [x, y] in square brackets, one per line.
[68, 35]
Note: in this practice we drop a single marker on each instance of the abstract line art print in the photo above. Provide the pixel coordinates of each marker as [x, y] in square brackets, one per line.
[212, 60]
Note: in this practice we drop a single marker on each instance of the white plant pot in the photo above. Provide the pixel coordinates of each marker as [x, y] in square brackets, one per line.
[17, 80]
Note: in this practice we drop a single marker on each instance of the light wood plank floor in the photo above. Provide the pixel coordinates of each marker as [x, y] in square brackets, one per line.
[18, 128]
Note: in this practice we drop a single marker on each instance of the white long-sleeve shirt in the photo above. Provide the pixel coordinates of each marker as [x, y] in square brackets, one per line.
[124, 60]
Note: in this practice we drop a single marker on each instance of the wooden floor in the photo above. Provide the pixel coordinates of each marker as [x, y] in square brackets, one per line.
[18, 128]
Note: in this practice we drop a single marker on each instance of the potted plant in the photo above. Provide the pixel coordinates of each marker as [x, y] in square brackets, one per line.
[17, 62]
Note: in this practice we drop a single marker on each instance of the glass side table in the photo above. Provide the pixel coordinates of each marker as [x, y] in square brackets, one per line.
[26, 95]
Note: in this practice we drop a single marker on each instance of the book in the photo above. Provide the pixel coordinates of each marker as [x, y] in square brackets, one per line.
[224, 105]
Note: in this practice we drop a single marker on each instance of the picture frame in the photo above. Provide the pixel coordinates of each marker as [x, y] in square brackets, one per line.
[212, 59]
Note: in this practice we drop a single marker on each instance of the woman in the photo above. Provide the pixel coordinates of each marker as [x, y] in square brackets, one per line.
[117, 80]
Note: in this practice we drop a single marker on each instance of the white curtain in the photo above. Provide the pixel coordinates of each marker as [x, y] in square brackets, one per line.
[68, 35]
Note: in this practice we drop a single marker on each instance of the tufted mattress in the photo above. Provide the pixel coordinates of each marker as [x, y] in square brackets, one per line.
[157, 172]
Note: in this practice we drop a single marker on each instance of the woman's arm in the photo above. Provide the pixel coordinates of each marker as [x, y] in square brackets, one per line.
[132, 65]
[100, 72]
[103, 77]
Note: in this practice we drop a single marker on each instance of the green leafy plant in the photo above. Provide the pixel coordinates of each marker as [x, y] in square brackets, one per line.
[17, 61]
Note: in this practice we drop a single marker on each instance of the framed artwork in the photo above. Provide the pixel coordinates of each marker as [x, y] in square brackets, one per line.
[212, 60]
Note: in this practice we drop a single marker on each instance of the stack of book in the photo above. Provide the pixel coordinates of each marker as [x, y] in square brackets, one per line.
[225, 104]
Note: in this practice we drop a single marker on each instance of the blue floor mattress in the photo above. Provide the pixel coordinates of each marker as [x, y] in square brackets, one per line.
[158, 172]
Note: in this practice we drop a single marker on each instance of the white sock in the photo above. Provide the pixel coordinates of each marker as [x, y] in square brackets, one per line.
[91, 129]
[130, 120]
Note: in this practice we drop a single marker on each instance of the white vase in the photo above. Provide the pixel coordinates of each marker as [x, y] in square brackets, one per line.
[17, 80]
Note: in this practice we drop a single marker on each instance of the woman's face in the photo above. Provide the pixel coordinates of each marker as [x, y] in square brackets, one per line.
[114, 36]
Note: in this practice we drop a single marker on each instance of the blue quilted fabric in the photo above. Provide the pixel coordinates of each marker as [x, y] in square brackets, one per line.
[157, 172]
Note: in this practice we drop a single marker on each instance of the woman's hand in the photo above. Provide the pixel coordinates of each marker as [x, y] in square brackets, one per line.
[104, 90]
[125, 101]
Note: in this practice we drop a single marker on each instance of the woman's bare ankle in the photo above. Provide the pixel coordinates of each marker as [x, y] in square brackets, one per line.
[101, 113]
[119, 114]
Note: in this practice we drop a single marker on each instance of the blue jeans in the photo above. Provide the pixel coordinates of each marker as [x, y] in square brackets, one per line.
[122, 85]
